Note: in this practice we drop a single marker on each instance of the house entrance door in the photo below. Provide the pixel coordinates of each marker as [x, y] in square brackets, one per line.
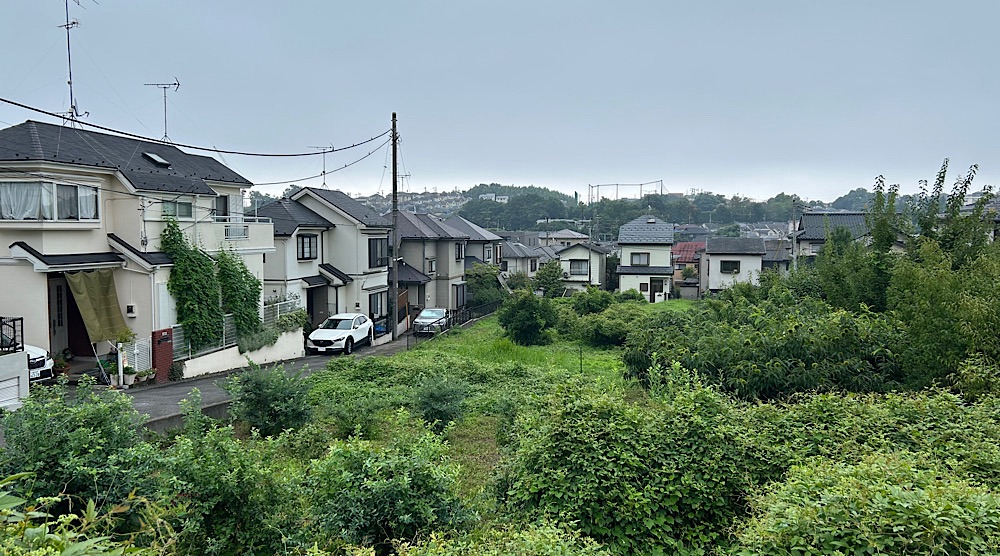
[58, 318]
[655, 286]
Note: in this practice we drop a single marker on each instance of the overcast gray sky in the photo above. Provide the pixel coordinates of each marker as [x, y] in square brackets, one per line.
[747, 97]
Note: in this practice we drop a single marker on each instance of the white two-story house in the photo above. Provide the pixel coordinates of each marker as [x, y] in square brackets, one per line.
[728, 260]
[583, 265]
[332, 251]
[81, 215]
[646, 257]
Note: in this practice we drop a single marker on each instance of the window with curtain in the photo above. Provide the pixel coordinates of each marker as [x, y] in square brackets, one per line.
[177, 209]
[47, 201]
[579, 267]
[378, 252]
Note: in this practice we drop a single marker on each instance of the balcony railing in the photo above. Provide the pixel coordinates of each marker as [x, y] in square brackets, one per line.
[11, 334]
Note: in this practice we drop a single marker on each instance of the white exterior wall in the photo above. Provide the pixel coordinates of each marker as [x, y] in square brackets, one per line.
[659, 255]
[30, 299]
[595, 275]
[750, 266]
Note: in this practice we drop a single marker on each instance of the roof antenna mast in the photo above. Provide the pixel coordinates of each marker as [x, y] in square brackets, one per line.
[176, 85]
[74, 112]
[326, 151]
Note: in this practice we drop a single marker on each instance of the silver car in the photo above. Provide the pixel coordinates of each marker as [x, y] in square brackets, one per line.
[430, 321]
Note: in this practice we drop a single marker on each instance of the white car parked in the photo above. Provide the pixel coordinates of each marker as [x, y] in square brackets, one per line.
[340, 333]
[39, 362]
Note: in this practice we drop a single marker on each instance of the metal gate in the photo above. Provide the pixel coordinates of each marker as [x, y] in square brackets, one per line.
[139, 354]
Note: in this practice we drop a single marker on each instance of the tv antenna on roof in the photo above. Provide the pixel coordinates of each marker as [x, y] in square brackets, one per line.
[325, 150]
[176, 85]
[74, 112]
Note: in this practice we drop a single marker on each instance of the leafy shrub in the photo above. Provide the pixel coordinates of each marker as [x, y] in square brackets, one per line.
[438, 400]
[240, 291]
[630, 295]
[372, 495]
[591, 301]
[226, 496]
[290, 322]
[87, 446]
[525, 318]
[639, 478]
[884, 504]
[176, 371]
[256, 340]
[773, 346]
[976, 377]
[612, 326]
[519, 281]
[534, 540]
[268, 400]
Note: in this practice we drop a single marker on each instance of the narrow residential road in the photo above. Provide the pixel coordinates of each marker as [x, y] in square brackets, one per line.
[161, 402]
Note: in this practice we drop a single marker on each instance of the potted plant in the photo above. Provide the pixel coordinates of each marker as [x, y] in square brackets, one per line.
[59, 366]
[128, 375]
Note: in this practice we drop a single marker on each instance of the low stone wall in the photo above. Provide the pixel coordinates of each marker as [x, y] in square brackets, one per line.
[288, 346]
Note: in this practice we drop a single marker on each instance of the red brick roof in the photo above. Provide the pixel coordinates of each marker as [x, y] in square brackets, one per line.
[684, 251]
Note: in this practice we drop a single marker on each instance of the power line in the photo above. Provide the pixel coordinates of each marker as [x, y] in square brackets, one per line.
[194, 147]
[286, 182]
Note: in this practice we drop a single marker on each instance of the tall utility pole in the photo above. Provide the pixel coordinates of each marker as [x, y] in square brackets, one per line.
[394, 256]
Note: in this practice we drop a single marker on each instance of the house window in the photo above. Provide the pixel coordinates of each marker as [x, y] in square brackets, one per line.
[533, 264]
[488, 254]
[177, 209]
[376, 304]
[459, 251]
[47, 201]
[643, 287]
[432, 266]
[307, 246]
[222, 206]
[579, 267]
[503, 265]
[640, 259]
[459, 295]
[378, 252]
[730, 267]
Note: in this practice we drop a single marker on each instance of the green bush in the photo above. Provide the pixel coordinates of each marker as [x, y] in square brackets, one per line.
[290, 322]
[630, 295]
[591, 301]
[664, 477]
[977, 377]
[612, 326]
[87, 446]
[525, 318]
[258, 339]
[370, 495]
[268, 400]
[533, 540]
[438, 400]
[884, 504]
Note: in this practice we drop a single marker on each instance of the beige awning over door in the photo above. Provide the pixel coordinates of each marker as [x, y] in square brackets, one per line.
[95, 295]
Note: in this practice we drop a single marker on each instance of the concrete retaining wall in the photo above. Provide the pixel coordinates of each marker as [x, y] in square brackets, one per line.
[288, 346]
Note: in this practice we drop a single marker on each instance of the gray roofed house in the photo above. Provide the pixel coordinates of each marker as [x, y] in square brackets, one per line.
[518, 257]
[146, 165]
[81, 205]
[813, 225]
[646, 257]
[734, 246]
[288, 215]
[646, 230]
[354, 208]
[564, 237]
[438, 250]
[426, 226]
[483, 245]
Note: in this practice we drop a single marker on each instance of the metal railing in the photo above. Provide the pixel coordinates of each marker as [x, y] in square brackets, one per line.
[455, 317]
[11, 334]
[269, 317]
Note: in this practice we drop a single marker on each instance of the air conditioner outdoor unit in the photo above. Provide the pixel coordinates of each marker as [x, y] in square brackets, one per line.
[565, 274]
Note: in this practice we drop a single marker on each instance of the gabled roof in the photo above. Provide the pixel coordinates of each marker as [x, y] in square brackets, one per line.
[586, 245]
[288, 215]
[74, 261]
[353, 208]
[135, 159]
[327, 268]
[686, 251]
[475, 233]
[646, 230]
[546, 253]
[516, 250]
[410, 275]
[149, 259]
[734, 246]
[777, 250]
[471, 261]
[426, 226]
[565, 233]
[813, 225]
